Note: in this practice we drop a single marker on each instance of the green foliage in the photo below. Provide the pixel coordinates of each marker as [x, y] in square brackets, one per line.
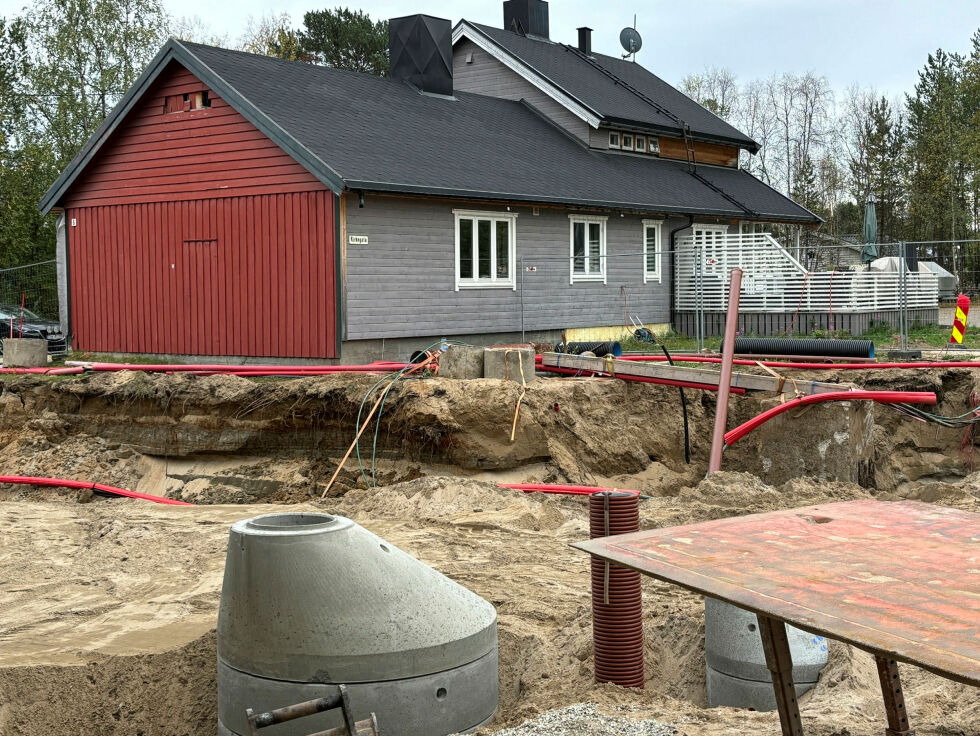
[346, 39]
[63, 65]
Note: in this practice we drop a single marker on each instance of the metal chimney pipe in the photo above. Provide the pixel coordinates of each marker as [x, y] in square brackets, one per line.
[585, 40]
[725, 381]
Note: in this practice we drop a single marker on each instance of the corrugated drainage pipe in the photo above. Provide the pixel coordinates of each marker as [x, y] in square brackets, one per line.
[811, 346]
[617, 608]
[598, 349]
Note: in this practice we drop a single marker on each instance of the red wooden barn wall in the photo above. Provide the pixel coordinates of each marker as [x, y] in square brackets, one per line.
[193, 233]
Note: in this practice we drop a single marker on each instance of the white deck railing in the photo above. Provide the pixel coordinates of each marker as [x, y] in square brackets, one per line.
[774, 281]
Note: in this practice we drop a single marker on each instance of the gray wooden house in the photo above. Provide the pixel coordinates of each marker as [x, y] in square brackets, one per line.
[498, 185]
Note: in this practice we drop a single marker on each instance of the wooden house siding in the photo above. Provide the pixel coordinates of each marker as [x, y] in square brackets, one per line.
[487, 76]
[156, 156]
[402, 283]
[248, 276]
[192, 233]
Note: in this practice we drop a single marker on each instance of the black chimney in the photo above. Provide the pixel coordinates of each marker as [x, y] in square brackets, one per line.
[526, 17]
[585, 40]
[421, 52]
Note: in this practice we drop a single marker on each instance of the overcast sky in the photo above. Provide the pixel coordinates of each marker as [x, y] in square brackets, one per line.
[879, 43]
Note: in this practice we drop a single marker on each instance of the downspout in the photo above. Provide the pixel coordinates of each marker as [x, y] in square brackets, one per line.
[673, 260]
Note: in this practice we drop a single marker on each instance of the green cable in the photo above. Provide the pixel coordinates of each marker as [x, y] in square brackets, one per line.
[357, 428]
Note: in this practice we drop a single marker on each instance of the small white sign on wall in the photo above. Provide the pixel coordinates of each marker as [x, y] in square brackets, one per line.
[357, 239]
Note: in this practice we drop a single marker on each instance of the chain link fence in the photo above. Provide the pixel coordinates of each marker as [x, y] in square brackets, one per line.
[29, 304]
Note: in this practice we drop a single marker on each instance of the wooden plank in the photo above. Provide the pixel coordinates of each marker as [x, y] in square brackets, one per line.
[704, 153]
[748, 381]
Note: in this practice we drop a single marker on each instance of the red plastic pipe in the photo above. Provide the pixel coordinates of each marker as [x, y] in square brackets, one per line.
[63, 483]
[881, 397]
[222, 368]
[725, 380]
[562, 489]
[638, 379]
[73, 370]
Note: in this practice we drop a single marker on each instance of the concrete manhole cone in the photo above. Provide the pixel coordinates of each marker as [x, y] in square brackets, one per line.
[310, 601]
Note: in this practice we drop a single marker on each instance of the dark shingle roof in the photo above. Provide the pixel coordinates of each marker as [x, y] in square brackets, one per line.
[358, 131]
[619, 90]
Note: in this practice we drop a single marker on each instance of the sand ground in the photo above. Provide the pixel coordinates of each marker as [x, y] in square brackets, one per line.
[110, 608]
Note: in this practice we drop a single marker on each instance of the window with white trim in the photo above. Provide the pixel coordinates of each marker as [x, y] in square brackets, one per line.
[652, 249]
[613, 139]
[486, 244]
[587, 248]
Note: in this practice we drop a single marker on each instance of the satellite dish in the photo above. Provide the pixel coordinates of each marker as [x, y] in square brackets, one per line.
[630, 40]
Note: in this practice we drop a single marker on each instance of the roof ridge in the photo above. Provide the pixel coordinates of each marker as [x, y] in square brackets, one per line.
[619, 80]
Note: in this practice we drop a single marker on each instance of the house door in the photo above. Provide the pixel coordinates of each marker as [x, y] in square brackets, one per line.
[709, 243]
[200, 275]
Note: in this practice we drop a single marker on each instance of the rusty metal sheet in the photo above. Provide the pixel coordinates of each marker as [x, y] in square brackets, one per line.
[895, 578]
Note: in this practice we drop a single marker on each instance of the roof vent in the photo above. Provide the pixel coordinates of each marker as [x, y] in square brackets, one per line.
[585, 40]
[421, 51]
[526, 17]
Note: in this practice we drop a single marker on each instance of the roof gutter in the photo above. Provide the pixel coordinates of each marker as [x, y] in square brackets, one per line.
[531, 200]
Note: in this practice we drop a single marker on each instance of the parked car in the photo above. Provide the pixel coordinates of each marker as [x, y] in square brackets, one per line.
[34, 326]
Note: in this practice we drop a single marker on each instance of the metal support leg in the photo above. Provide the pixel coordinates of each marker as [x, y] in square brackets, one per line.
[891, 690]
[779, 661]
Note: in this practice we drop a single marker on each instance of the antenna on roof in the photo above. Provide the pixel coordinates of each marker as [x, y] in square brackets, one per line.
[630, 40]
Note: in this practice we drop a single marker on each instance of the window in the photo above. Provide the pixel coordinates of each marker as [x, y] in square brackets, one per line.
[613, 140]
[187, 101]
[652, 248]
[627, 141]
[640, 143]
[653, 145]
[588, 248]
[485, 249]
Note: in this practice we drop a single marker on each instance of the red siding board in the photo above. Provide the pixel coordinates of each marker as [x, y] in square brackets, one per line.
[197, 235]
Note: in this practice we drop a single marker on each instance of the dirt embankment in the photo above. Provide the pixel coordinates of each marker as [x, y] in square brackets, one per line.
[113, 605]
[227, 439]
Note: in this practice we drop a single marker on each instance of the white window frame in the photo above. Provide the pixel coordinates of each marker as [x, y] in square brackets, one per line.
[653, 145]
[640, 143]
[619, 139]
[493, 282]
[574, 278]
[622, 138]
[653, 276]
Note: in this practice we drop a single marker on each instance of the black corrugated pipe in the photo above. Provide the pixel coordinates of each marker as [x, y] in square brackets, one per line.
[598, 349]
[806, 346]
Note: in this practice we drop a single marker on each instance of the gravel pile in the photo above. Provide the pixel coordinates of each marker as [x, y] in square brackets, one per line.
[586, 720]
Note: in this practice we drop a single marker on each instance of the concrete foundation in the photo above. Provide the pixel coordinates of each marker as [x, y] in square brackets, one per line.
[737, 672]
[462, 361]
[832, 441]
[509, 364]
[310, 601]
[25, 353]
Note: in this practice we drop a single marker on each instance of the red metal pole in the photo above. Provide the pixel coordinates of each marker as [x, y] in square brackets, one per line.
[725, 381]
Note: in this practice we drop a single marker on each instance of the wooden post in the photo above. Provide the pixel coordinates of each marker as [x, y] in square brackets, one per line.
[891, 690]
[725, 380]
[779, 662]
